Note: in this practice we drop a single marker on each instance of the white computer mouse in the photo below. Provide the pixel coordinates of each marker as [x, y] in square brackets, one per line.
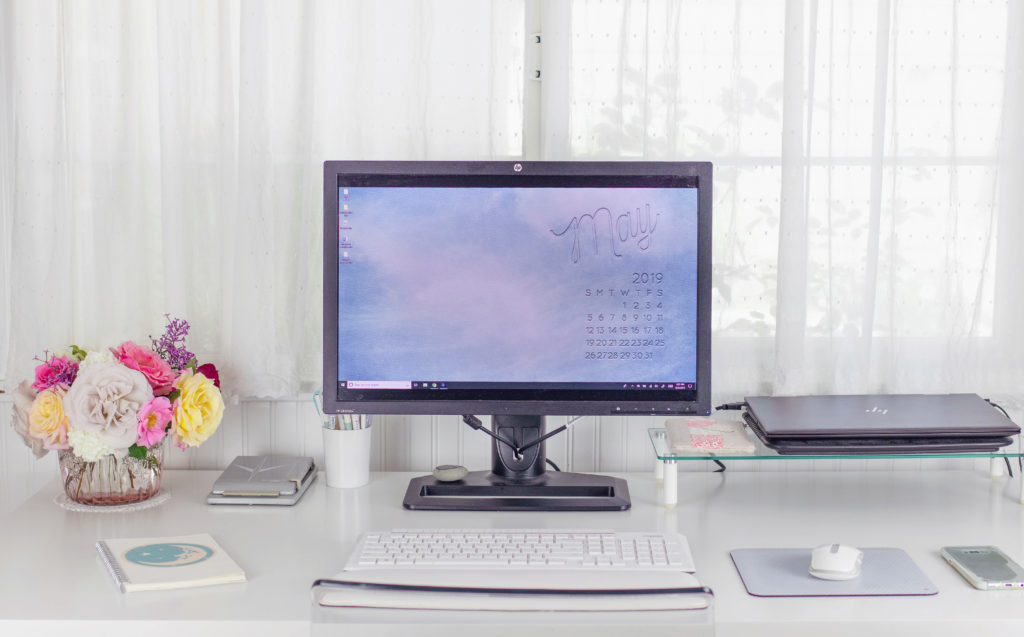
[836, 562]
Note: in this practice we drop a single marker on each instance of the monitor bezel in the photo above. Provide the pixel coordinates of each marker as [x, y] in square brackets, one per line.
[700, 171]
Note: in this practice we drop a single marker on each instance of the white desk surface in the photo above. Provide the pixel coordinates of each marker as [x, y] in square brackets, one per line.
[53, 581]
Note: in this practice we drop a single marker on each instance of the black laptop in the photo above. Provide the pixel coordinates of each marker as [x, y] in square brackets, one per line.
[879, 423]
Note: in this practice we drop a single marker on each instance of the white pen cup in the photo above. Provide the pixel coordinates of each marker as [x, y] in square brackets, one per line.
[347, 457]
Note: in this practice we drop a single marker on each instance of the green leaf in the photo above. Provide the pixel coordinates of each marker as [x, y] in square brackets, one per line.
[174, 395]
[135, 451]
[78, 353]
[193, 364]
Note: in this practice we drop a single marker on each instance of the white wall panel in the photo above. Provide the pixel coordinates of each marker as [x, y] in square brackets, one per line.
[286, 433]
[258, 431]
[476, 446]
[445, 444]
[419, 443]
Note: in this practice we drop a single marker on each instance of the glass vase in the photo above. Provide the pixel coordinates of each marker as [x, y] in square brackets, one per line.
[112, 480]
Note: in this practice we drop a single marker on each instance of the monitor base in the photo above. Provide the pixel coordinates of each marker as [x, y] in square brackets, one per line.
[554, 491]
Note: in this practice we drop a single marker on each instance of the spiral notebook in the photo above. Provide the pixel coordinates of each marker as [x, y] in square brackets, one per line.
[150, 564]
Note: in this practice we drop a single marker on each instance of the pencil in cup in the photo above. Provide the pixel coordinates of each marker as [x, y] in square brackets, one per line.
[348, 422]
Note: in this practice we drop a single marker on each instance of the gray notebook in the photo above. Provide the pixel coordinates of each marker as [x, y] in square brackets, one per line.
[878, 416]
[264, 480]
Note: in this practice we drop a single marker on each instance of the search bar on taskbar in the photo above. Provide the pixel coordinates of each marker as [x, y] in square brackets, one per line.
[378, 384]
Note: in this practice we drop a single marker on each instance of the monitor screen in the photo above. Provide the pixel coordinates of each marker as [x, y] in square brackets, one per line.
[517, 288]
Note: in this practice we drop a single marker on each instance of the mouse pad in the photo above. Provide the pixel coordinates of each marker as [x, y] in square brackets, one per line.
[783, 573]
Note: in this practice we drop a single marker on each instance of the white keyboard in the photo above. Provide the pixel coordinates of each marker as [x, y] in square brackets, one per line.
[519, 570]
[530, 549]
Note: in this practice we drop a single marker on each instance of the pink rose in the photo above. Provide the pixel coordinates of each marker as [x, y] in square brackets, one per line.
[56, 371]
[153, 420]
[157, 372]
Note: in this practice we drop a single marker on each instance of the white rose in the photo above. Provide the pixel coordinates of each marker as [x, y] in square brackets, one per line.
[105, 399]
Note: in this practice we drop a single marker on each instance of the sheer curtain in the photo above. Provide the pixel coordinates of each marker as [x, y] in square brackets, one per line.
[868, 176]
[165, 157]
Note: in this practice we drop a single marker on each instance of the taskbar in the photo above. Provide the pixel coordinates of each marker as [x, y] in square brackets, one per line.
[438, 385]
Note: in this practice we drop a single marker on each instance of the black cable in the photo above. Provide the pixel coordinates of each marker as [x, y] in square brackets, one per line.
[541, 439]
[731, 406]
[721, 466]
[998, 407]
[476, 423]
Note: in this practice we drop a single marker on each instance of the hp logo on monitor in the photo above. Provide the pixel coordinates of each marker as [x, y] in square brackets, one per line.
[517, 167]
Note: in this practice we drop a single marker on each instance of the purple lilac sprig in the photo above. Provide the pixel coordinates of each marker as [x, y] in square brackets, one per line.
[171, 346]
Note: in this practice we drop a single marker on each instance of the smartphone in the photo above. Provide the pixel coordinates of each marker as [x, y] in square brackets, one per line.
[985, 567]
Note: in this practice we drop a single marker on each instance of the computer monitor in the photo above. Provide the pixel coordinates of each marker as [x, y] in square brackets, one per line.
[517, 290]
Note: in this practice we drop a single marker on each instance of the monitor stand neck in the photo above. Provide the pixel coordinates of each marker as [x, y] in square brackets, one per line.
[506, 463]
[519, 481]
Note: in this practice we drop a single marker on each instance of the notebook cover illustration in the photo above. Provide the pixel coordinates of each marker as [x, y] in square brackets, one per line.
[142, 564]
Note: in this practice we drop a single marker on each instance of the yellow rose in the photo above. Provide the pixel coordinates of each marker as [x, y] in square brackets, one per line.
[46, 419]
[199, 409]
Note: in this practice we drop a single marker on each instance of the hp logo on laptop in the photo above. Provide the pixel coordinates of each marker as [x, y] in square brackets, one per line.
[517, 167]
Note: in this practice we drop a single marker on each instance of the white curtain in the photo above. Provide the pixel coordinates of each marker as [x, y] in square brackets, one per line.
[868, 176]
[869, 167]
[166, 157]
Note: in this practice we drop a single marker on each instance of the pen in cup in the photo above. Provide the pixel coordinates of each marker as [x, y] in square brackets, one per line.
[329, 421]
[347, 422]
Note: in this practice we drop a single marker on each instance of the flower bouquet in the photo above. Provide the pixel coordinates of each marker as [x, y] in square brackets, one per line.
[108, 413]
